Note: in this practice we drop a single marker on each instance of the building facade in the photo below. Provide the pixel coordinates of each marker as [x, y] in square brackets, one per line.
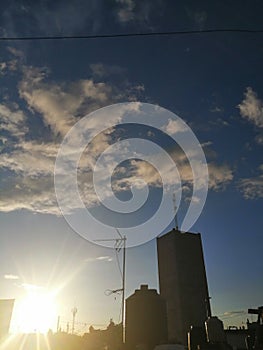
[183, 283]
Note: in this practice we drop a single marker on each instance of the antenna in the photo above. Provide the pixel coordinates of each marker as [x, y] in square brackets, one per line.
[74, 312]
[175, 212]
[120, 243]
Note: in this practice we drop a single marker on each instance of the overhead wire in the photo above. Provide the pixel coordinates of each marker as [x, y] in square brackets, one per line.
[127, 35]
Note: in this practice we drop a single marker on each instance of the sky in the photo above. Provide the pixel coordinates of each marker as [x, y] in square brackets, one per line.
[212, 81]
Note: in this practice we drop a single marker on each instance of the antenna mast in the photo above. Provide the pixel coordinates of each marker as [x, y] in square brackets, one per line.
[120, 243]
[175, 212]
[123, 239]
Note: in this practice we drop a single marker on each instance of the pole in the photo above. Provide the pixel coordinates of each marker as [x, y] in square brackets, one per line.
[175, 213]
[58, 324]
[74, 311]
[123, 289]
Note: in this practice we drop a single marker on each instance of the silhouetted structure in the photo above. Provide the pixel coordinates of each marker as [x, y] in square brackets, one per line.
[255, 329]
[146, 321]
[109, 338]
[183, 283]
[236, 337]
[6, 310]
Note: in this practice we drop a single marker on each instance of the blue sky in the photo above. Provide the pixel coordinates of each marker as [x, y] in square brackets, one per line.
[212, 81]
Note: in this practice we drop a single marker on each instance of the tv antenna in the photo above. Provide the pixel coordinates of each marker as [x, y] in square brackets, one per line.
[175, 212]
[120, 243]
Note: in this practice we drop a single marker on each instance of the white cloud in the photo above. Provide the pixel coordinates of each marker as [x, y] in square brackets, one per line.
[30, 164]
[174, 126]
[61, 104]
[251, 108]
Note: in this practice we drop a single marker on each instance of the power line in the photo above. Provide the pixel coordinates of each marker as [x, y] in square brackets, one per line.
[125, 35]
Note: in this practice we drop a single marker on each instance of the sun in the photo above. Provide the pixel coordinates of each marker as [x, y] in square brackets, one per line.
[36, 312]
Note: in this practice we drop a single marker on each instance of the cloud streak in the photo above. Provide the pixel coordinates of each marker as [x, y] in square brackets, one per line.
[99, 258]
[252, 188]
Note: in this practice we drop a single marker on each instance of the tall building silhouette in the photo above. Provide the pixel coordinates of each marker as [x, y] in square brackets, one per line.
[183, 283]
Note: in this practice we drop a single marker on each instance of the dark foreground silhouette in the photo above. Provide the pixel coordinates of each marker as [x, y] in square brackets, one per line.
[110, 338]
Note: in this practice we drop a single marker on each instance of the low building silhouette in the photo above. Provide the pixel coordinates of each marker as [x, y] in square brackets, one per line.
[146, 321]
[6, 310]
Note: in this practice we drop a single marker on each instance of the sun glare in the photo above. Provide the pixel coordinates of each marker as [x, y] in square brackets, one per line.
[36, 312]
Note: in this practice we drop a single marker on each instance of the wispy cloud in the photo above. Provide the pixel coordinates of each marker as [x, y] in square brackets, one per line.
[219, 176]
[99, 258]
[104, 258]
[39, 18]
[126, 10]
[12, 120]
[139, 13]
[101, 70]
[251, 108]
[217, 109]
[230, 314]
[11, 277]
[219, 122]
[252, 188]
